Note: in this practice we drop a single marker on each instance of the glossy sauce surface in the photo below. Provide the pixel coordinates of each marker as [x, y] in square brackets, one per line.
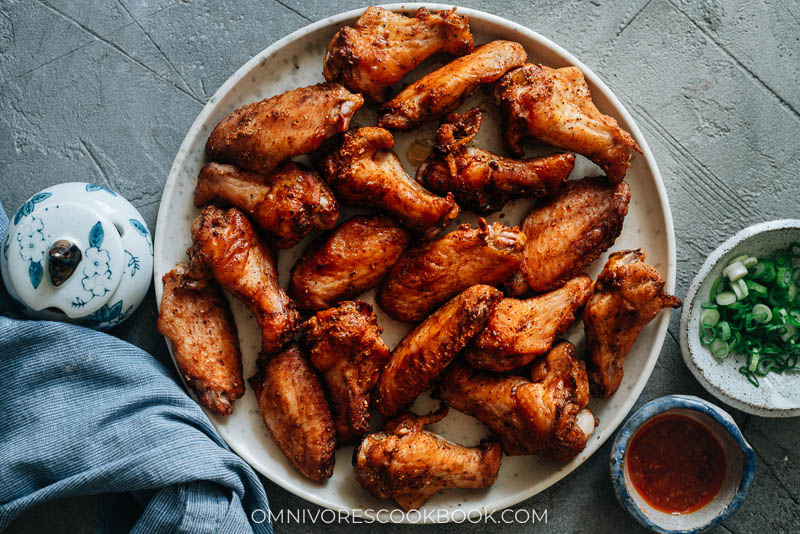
[676, 464]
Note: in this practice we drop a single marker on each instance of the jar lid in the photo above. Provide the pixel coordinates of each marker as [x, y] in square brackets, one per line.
[78, 252]
[65, 256]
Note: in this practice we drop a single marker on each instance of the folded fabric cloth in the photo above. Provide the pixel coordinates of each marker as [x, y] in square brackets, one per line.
[86, 413]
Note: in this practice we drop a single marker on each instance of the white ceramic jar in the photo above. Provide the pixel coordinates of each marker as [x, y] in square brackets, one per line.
[77, 252]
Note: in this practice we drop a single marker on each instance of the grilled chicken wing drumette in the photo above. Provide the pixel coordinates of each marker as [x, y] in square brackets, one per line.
[345, 345]
[570, 231]
[430, 273]
[628, 294]
[289, 203]
[443, 90]
[261, 135]
[520, 330]
[365, 172]
[481, 181]
[196, 317]
[226, 244]
[382, 47]
[555, 106]
[431, 346]
[409, 464]
[546, 417]
[349, 261]
[292, 403]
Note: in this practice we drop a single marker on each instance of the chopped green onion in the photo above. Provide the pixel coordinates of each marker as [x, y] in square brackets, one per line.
[750, 376]
[719, 348]
[723, 330]
[756, 288]
[782, 258]
[780, 315]
[726, 298]
[740, 289]
[710, 317]
[753, 362]
[715, 287]
[754, 310]
[735, 271]
[783, 277]
[791, 293]
[707, 336]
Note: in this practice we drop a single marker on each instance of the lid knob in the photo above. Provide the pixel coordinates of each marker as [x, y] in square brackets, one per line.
[64, 259]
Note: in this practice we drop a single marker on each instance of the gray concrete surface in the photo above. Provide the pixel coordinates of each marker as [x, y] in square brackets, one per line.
[104, 91]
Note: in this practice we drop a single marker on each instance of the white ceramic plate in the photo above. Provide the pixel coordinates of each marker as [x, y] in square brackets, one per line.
[778, 395]
[296, 60]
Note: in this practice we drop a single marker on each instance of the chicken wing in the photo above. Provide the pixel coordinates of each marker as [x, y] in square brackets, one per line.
[345, 345]
[349, 261]
[546, 417]
[289, 203]
[382, 47]
[409, 464]
[555, 106]
[481, 181]
[520, 330]
[570, 231]
[195, 316]
[261, 135]
[292, 404]
[226, 244]
[443, 90]
[431, 346]
[430, 273]
[627, 295]
[365, 172]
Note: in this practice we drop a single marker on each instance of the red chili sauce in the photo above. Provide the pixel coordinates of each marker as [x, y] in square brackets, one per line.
[676, 464]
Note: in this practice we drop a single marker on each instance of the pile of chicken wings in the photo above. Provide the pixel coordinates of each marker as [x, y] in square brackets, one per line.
[489, 302]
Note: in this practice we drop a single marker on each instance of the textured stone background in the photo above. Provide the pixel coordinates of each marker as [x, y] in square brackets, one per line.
[104, 91]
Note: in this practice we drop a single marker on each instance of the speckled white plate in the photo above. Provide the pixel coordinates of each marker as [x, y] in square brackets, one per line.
[778, 395]
[296, 60]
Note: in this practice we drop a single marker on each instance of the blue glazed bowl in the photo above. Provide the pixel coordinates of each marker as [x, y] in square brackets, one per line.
[739, 456]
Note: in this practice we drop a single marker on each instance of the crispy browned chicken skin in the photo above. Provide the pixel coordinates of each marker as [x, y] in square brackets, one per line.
[443, 90]
[345, 345]
[431, 346]
[226, 244]
[555, 106]
[571, 230]
[292, 403]
[627, 295]
[546, 417]
[382, 47]
[481, 181]
[195, 316]
[365, 172]
[261, 135]
[520, 330]
[409, 464]
[349, 261]
[430, 273]
[289, 203]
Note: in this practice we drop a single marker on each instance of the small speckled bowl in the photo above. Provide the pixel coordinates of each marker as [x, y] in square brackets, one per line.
[739, 456]
[778, 395]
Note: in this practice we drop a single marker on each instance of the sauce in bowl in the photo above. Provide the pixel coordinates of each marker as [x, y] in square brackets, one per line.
[676, 464]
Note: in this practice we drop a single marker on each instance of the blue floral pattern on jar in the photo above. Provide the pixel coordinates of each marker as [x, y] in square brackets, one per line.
[97, 264]
[32, 248]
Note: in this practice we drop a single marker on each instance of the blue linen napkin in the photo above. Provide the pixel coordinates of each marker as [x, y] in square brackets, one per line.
[82, 412]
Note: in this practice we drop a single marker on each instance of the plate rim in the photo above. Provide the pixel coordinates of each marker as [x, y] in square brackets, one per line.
[661, 324]
[688, 307]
